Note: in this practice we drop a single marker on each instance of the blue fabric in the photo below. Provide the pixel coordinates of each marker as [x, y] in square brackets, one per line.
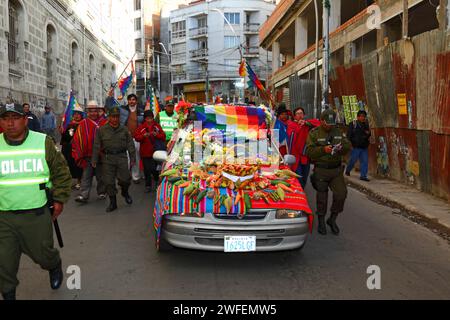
[363, 156]
[282, 128]
[48, 122]
[303, 171]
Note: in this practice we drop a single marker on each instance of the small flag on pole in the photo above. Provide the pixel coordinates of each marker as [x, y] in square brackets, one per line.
[124, 84]
[72, 104]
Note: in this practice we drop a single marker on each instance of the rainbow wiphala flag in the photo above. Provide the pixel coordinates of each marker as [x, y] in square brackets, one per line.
[71, 104]
[234, 118]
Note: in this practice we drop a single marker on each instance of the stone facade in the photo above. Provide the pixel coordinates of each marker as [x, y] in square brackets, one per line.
[59, 46]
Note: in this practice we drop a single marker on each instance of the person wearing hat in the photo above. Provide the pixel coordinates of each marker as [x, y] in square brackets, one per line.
[48, 122]
[281, 124]
[113, 145]
[326, 146]
[168, 119]
[66, 144]
[149, 134]
[31, 169]
[82, 144]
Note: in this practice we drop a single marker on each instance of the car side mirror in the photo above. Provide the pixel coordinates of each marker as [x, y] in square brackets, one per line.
[160, 156]
[289, 159]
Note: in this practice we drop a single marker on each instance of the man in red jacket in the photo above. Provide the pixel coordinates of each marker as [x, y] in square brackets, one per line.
[147, 134]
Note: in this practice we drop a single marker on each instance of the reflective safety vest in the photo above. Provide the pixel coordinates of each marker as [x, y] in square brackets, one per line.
[23, 173]
[168, 124]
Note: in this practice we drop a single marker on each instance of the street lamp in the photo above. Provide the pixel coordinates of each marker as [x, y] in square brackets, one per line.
[170, 62]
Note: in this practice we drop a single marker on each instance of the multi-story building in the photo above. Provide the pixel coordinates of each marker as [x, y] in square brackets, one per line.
[146, 16]
[388, 57]
[50, 47]
[207, 39]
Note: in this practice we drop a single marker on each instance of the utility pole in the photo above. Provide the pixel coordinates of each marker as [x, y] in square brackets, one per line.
[316, 64]
[207, 84]
[159, 75]
[405, 19]
[326, 53]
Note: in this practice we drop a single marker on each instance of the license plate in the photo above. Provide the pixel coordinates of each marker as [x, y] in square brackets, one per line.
[239, 243]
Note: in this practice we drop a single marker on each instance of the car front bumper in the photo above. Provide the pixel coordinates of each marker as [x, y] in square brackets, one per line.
[207, 233]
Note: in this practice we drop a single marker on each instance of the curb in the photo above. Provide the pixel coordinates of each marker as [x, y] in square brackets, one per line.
[412, 212]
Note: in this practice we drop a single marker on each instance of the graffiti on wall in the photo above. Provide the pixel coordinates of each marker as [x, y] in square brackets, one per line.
[404, 152]
[382, 157]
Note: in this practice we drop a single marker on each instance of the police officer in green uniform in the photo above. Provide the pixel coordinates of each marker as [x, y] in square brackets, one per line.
[111, 143]
[30, 165]
[326, 146]
[168, 120]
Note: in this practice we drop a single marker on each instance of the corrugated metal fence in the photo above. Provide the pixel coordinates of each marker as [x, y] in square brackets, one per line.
[412, 144]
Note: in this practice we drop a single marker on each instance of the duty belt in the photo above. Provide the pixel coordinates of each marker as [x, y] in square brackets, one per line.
[325, 165]
[115, 151]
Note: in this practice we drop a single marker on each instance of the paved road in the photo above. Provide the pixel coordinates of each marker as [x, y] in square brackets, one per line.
[118, 261]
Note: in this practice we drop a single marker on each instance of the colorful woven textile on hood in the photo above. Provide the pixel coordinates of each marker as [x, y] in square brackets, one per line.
[231, 118]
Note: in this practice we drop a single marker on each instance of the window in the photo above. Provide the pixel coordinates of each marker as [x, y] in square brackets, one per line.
[179, 29]
[233, 17]
[137, 24]
[91, 76]
[231, 41]
[231, 66]
[51, 50]
[13, 25]
[137, 4]
[202, 22]
[137, 45]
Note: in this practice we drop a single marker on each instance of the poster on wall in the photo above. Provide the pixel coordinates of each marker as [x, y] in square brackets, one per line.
[354, 106]
[402, 106]
[347, 110]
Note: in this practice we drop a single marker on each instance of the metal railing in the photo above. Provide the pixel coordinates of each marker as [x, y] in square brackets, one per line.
[178, 35]
[198, 53]
[250, 50]
[198, 32]
[179, 76]
[251, 27]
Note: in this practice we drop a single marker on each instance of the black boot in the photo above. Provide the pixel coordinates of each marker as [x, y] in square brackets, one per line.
[126, 195]
[322, 228]
[332, 223]
[9, 296]
[56, 277]
[112, 204]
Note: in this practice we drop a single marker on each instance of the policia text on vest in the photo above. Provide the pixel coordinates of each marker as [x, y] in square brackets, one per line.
[168, 124]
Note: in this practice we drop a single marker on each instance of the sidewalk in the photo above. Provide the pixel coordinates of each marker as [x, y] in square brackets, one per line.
[404, 198]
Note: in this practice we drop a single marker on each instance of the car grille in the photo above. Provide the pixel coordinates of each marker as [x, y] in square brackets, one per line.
[246, 217]
[232, 232]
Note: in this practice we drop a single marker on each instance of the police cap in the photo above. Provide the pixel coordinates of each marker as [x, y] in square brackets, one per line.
[11, 107]
[329, 116]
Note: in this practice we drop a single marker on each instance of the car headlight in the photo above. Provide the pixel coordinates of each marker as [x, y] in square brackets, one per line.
[288, 214]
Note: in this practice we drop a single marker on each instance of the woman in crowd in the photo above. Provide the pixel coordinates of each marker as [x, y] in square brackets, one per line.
[149, 134]
[66, 149]
[297, 132]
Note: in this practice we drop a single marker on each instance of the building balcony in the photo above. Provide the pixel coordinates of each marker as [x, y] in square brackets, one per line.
[196, 33]
[178, 59]
[179, 76]
[250, 52]
[252, 28]
[199, 54]
[178, 36]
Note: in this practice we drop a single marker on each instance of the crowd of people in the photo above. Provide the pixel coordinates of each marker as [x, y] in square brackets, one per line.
[110, 143]
[115, 143]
